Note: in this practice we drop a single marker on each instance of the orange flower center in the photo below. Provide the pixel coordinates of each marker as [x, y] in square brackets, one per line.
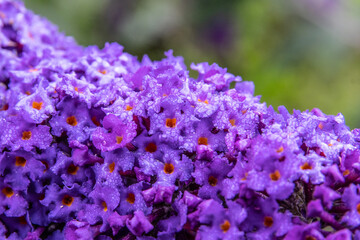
[26, 135]
[151, 147]
[7, 191]
[95, 121]
[103, 203]
[111, 167]
[171, 122]
[46, 165]
[71, 121]
[5, 107]
[20, 161]
[22, 220]
[245, 176]
[168, 168]
[128, 108]
[268, 221]
[67, 200]
[203, 141]
[225, 226]
[346, 172]
[205, 101]
[358, 208]
[212, 181]
[33, 70]
[275, 175]
[130, 198]
[72, 169]
[37, 105]
[280, 149]
[119, 139]
[232, 122]
[306, 166]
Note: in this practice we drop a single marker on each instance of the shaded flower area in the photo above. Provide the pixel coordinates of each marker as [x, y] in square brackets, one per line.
[96, 144]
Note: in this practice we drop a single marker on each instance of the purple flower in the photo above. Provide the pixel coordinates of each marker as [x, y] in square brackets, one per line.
[342, 234]
[74, 118]
[327, 195]
[210, 176]
[158, 194]
[79, 230]
[97, 144]
[22, 167]
[115, 134]
[132, 199]
[351, 199]
[19, 134]
[117, 222]
[36, 107]
[12, 204]
[63, 201]
[105, 200]
[139, 224]
[300, 232]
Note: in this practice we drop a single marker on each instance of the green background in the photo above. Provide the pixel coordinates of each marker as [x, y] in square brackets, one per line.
[298, 54]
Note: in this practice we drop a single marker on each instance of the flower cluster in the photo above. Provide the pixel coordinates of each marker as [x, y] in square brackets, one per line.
[95, 144]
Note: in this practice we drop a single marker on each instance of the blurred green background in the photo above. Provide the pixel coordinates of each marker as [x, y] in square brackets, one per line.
[300, 53]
